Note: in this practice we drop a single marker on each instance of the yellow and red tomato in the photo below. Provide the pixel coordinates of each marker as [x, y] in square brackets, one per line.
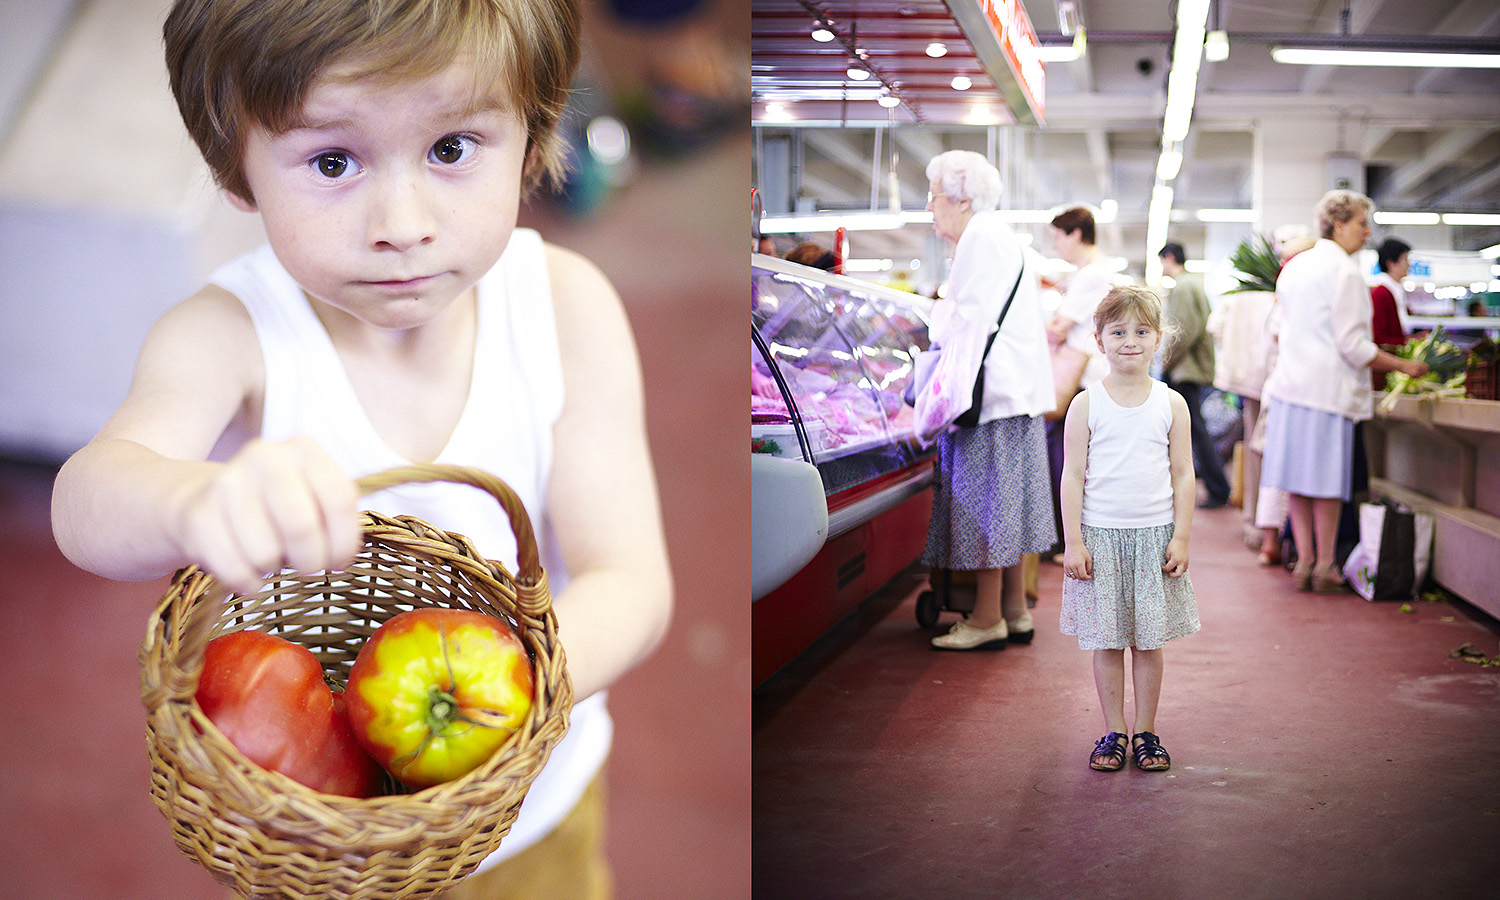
[435, 692]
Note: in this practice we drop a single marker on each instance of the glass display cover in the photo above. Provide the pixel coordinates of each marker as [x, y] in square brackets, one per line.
[830, 359]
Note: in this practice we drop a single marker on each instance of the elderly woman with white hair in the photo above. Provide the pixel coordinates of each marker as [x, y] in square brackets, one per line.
[1320, 387]
[992, 504]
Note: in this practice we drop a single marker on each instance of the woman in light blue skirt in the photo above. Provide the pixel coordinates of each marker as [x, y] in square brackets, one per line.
[1321, 384]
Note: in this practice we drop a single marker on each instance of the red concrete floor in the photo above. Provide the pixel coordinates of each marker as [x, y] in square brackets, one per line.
[1323, 747]
[76, 822]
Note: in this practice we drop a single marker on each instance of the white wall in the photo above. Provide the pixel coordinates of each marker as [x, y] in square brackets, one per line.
[107, 215]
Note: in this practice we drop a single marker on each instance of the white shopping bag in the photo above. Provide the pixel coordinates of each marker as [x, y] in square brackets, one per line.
[1394, 552]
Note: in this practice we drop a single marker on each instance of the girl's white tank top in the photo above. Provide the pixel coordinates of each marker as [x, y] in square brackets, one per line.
[1128, 479]
[515, 396]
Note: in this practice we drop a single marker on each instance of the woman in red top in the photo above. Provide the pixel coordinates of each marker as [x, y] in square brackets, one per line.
[1388, 322]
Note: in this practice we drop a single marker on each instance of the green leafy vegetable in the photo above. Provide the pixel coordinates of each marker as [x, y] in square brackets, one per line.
[1256, 265]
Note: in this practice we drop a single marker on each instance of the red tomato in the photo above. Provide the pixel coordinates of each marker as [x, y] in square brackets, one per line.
[268, 697]
[434, 692]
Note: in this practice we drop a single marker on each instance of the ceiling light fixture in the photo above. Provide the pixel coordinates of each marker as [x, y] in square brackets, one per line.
[1471, 219]
[856, 73]
[937, 49]
[822, 34]
[1169, 163]
[1227, 215]
[962, 82]
[1386, 217]
[1158, 215]
[1182, 87]
[1216, 46]
[1057, 53]
[888, 100]
[1314, 56]
[1067, 16]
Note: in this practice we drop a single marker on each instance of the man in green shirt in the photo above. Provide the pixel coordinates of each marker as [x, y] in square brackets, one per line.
[1188, 365]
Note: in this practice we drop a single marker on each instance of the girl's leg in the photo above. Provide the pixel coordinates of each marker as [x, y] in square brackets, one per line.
[1109, 680]
[1145, 672]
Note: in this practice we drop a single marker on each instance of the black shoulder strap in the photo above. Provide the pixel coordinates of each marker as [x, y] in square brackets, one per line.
[1003, 310]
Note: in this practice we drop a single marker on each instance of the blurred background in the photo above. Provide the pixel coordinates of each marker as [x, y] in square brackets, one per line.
[1205, 149]
[108, 217]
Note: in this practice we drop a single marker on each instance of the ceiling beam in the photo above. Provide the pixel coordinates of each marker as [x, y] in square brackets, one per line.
[1361, 13]
[1469, 17]
[1475, 184]
[1452, 145]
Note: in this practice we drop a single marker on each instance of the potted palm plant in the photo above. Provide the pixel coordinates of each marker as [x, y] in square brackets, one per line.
[1256, 265]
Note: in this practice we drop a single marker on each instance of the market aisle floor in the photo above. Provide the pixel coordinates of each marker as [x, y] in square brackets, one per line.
[1323, 747]
[76, 822]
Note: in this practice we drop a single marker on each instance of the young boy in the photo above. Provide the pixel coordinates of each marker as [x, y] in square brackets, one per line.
[396, 315]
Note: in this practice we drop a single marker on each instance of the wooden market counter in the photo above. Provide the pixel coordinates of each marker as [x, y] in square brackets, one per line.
[1442, 456]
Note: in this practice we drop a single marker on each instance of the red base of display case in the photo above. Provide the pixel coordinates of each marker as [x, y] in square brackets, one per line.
[845, 572]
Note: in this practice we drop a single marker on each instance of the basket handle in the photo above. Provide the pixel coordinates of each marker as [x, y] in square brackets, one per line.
[531, 585]
[528, 559]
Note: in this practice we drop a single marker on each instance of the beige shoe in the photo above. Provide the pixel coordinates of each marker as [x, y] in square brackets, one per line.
[1021, 630]
[964, 636]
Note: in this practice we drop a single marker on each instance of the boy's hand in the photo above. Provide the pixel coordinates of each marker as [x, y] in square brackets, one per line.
[274, 506]
[1177, 558]
[1077, 562]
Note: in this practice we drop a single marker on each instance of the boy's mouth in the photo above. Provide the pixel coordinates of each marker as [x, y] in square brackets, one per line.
[402, 283]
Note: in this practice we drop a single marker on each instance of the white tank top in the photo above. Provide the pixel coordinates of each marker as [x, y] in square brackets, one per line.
[515, 396]
[1128, 479]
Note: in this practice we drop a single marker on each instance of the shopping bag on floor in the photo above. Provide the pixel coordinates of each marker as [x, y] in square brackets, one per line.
[1395, 548]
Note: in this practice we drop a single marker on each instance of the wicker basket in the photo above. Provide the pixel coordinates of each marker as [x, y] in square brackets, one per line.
[1480, 382]
[268, 836]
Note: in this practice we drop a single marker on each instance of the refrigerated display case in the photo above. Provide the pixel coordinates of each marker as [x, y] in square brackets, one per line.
[830, 358]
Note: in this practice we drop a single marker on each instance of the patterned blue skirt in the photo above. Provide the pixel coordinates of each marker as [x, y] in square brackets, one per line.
[1130, 602]
[992, 503]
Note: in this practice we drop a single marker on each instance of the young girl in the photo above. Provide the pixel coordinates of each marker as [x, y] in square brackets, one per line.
[1128, 492]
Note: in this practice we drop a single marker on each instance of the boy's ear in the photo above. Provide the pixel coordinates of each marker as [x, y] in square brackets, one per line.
[240, 203]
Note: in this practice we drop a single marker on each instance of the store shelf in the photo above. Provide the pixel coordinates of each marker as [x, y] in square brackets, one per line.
[1441, 455]
[1465, 545]
[1445, 412]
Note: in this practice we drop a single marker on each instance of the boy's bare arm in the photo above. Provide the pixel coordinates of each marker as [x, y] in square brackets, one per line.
[1076, 559]
[602, 495]
[141, 500]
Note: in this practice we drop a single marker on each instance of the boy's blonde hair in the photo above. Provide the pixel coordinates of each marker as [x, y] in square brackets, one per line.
[235, 62]
[1143, 303]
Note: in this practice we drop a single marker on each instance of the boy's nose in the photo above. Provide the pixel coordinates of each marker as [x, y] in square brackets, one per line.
[401, 217]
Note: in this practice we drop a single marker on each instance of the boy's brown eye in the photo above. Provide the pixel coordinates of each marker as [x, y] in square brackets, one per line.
[331, 165]
[450, 149]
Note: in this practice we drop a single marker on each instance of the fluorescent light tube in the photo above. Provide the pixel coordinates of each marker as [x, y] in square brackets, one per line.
[1386, 217]
[1168, 164]
[1471, 219]
[1227, 215]
[1306, 56]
